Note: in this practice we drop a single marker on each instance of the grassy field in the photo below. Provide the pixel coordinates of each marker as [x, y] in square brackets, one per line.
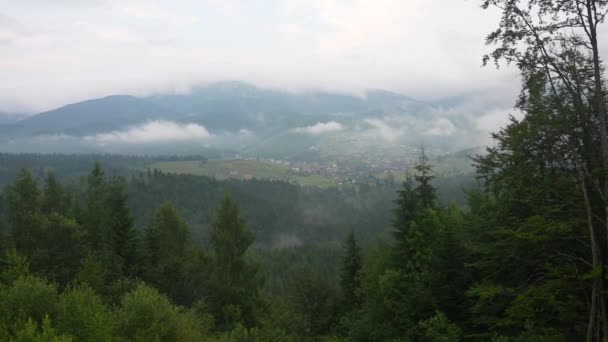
[241, 169]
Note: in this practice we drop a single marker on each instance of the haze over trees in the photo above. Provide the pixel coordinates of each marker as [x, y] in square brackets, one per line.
[148, 256]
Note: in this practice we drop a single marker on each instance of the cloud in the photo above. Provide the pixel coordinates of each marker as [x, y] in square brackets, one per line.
[319, 128]
[154, 132]
[494, 120]
[13, 32]
[346, 46]
[245, 132]
[441, 127]
[387, 132]
[117, 35]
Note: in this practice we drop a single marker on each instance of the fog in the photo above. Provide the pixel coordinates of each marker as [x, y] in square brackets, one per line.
[63, 51]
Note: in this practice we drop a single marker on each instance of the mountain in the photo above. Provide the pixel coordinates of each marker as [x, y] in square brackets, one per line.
[245, 119]
[237, 105]
[10, 118]
[219, 106]
[92, 116]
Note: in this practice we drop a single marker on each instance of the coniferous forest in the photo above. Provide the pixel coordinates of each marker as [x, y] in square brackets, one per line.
[119, 255]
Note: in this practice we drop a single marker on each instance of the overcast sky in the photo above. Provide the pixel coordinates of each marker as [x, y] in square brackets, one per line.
[54, 52]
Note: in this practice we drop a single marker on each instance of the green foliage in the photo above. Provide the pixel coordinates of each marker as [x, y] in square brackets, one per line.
[171, 262]
[118, 221]
[94, 214]
[167, 237]
[100, 270]
[372, 323]
[520, 235]
[24, 212]
[31, 331]
[235, 282]
[242, 334]
[425, 191]
[350, 276]
[146, 315]
[439, 329]
[28, 297]
[505, 270]
[59, 248]
[13, 267]
[54, 197]
[317, 302]
[83, 316]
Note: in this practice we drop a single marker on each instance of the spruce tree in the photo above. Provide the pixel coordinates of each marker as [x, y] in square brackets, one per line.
[120, 226]
[236, 284]
[407, 286]
[350, 276]
[407, 206]
[3, 238]
[424, 175]
[24, 212]
[168, 236]
[94, 212]
[54, 197]
[167, 252]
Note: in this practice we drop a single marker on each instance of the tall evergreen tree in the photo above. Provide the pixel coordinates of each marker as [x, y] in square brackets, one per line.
[407, 286]
[406, 209]
[236, 284]
[24, 212]
[54, 197]
[120, 226]
[60, 251]
[94, 214]
[51, 242]
[167, 253]
[167, 237]
[350, 276]
[427, 194]
[3, 238]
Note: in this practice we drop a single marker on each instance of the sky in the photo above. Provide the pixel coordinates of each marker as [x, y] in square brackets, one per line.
[54, 52]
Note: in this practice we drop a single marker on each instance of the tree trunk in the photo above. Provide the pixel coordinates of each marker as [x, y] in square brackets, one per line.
[601, 112]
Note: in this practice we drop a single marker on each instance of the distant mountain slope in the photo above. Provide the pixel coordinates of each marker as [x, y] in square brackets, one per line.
[219, 106]
[242, 118]
[236, 105]
[96, 115]
[10, 118]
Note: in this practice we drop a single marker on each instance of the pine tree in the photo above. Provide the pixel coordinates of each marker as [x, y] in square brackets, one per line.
[350, 277]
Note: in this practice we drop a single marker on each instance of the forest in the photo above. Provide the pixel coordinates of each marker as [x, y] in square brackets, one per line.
[148, 256]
